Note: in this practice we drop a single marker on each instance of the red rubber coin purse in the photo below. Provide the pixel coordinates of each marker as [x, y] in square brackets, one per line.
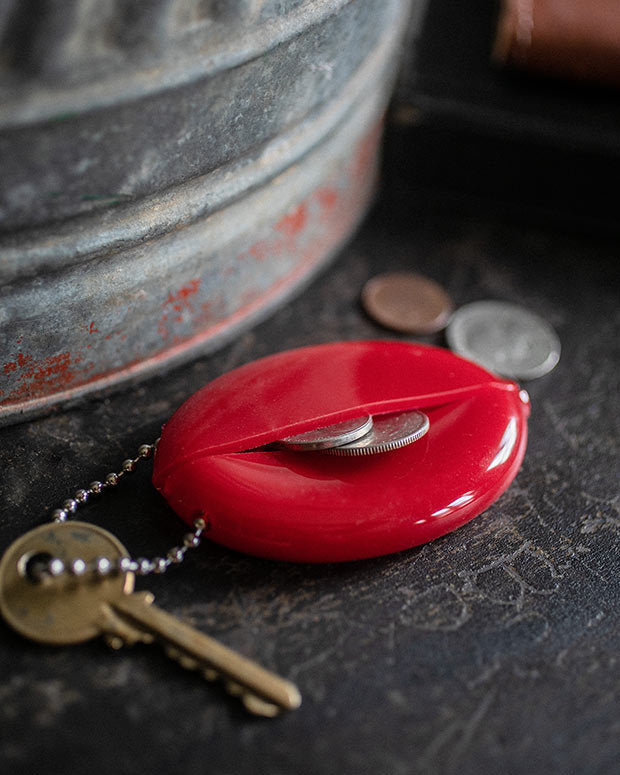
[313, 507]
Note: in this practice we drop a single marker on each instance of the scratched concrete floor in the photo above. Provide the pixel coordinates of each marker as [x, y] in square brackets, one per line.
[494, 649]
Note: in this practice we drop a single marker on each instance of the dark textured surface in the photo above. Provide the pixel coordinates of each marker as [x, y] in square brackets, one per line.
[494, 649]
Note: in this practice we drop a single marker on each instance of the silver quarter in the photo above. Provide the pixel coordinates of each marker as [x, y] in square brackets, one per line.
[330, 436]
[504, 338]
[389, 432]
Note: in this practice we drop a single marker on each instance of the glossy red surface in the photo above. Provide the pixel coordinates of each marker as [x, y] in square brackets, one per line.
[306, 506]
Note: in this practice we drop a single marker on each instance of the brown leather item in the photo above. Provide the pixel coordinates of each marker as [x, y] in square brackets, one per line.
[575, 39]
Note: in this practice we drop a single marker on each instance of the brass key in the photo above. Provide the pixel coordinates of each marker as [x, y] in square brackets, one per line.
[67, 610]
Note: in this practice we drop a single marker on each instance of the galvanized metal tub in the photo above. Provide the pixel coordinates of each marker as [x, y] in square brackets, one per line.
[170, 171]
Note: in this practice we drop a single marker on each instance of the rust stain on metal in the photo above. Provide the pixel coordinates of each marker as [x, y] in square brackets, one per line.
[309, 230]
[177, 306]
[294, 221]
[38, 377]
[124, 250]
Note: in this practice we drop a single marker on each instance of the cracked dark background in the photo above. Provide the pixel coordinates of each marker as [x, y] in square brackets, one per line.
[493, 649]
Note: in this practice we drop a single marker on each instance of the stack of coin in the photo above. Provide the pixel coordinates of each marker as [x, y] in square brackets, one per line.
[362, 436]
[329, 436]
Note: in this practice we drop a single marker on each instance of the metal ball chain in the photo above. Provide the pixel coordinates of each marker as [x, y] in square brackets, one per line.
[101, 567]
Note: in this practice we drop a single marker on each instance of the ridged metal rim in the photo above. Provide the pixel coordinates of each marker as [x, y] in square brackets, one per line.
[84, 237]
[203, 343]
[215, 336]
[43, 104]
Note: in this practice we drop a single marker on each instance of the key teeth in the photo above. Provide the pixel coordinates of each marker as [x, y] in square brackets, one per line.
[233, 688]
[119, 633]
[259, 707]
[252, 702]
[114, 641]
[210, 674]
[147, 598]
[183, 659]
[263, 693]
[189, 663]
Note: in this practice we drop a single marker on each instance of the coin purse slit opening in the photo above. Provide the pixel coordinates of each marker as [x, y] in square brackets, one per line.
[315, 507]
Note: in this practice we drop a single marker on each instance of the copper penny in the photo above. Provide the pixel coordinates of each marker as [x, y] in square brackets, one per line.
[407, 302]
